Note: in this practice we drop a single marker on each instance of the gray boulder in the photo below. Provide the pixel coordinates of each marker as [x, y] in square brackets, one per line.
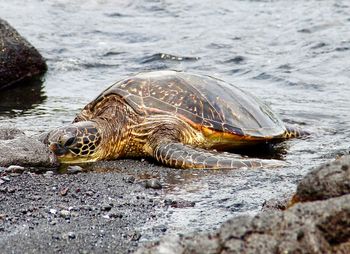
[19, 60]
[18, 149]
[321, 226]
[314, 227]
[326, 181]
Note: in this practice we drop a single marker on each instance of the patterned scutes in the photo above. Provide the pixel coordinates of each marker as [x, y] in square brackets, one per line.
[203, 100]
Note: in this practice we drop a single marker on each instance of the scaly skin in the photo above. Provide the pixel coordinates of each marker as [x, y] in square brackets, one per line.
[168, 139]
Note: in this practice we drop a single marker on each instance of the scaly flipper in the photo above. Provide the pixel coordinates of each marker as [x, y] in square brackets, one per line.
[183, 156]
[294, 132]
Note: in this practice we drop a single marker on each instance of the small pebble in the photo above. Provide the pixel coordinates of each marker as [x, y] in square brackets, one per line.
[56, 237]
[161, 228]
[130, 179]
[134, 236]
[180, 203]
[345, 167]
[89, 193]
[106, 207]
[36, 197]
[153, 184]
[115, 214]
[71, 235]
[300, 235]
[48, 173]
[53, 211]
[1, 181]
[74, 208]
[6, 178]
[74, 169]
[54, 222]
[64, 191]
[65, 214]
[15, 169]
[14, 174]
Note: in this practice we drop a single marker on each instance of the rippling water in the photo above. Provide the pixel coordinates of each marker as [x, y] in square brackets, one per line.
[295, 56]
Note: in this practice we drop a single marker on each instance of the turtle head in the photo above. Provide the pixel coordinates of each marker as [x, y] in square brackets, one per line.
[76, 143]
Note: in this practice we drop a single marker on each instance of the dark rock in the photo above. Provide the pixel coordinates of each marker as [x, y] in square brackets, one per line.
[56, 237]
[19, 60]
[161, 228]
[153, 184]
[69, 235]
[312, 227]
[106, 207]
[180, 203]
[18, 149]
[316, 227]
[326, 181]
[115, 214]
[280, 203]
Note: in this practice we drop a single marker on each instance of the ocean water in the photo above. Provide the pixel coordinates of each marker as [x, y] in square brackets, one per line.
[295, 56]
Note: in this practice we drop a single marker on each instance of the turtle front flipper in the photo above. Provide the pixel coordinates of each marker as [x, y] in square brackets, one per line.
[184, 156]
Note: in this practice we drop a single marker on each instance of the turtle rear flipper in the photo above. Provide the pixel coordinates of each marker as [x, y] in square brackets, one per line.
[294, 132]
[184, 156]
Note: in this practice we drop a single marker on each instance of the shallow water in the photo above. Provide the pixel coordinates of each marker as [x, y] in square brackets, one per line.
[293, 56]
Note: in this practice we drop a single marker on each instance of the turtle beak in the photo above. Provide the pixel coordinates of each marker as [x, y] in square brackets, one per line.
[58, 149]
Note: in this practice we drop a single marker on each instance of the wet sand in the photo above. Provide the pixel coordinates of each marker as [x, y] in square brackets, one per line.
[95, 212]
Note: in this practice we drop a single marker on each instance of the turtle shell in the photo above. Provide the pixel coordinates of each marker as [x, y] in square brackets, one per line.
[203, 101]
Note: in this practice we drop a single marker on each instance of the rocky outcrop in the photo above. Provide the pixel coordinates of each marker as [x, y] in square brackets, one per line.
[327, 181]
[321, 226]
[18, 149]
[19, 60]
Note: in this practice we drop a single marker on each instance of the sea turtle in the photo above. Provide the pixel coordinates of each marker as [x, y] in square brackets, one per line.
[180, 119]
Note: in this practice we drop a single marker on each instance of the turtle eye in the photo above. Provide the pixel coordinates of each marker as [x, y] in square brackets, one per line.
[69, 142]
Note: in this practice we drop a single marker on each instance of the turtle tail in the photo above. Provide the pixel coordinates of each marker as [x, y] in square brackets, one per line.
[294, 132]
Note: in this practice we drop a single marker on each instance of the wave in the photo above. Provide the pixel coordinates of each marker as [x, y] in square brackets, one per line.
[167, 57]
